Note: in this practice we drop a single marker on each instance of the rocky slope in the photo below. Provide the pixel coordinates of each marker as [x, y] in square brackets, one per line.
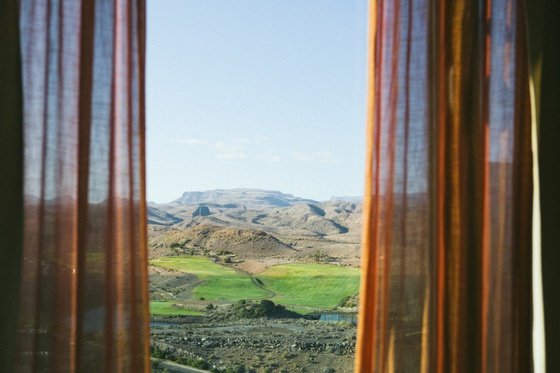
[257, 227]
[248, 198]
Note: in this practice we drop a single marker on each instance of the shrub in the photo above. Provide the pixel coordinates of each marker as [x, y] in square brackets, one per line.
[199, 363]
[192, 362]
[237, 369]
[160, 353]
[265, 308]
[343, 302]
[267, 305]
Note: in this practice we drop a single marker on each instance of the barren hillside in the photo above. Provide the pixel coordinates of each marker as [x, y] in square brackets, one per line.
[256, 228]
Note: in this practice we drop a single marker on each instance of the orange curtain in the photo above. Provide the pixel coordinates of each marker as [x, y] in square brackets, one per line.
[446, 283]
[84, 299]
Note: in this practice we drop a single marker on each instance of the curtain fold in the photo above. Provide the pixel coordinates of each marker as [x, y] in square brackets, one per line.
[549, 160]
[11, 178]
[446, 283]
[84, 299]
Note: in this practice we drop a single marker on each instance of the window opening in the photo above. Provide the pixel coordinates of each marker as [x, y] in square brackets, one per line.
[256, 122]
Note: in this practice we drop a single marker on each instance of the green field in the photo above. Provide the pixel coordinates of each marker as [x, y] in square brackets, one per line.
[168, 309]
[311, 285]
[299, 286]
[218, 282]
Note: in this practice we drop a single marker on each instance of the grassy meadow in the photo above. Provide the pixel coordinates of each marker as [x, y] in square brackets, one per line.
[219, 283]
[299, 286]
[310, 285]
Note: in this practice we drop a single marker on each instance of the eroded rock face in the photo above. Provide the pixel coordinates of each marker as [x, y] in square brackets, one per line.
[201, 211]
[251, 198]
[160, 217]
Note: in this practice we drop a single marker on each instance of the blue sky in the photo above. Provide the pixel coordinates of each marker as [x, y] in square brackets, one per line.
[256, 93]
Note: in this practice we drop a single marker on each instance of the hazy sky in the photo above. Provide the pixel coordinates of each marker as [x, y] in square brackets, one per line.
[256, 93]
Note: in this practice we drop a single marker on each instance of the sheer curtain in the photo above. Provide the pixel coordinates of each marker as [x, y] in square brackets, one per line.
[447, 238]
[446, 285]
[84, 299]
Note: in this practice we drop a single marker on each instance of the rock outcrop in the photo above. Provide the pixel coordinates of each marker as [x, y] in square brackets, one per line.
[201, 211]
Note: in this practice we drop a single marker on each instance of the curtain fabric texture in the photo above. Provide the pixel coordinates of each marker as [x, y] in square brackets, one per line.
[11, 177]
[549, 161]
[446, 284]
[84, 299]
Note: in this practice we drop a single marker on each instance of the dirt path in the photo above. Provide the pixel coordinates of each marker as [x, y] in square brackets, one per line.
[258, 284]
[178, 368]
[254, 280]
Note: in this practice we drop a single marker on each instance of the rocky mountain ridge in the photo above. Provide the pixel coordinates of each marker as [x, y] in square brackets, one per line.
[248, 198]
[257, 227]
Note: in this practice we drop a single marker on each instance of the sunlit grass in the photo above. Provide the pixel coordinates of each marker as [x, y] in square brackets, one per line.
[303, 287]
[311, 285]
[218, 282]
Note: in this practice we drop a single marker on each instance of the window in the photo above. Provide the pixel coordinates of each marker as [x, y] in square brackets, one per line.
[255, 157]
[455, 101]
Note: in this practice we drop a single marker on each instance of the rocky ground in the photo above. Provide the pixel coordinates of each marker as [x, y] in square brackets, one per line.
[257, 345]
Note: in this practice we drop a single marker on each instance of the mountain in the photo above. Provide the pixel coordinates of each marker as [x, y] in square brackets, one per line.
[249, 198]
[258, 227]
[270, 211]
[355, 199]
[159, 217]
[244, 243]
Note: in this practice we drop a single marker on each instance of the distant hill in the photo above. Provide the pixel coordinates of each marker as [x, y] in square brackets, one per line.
[245, 243]
[255, 225]
[356, 199]
[249, 198]
[159, 217]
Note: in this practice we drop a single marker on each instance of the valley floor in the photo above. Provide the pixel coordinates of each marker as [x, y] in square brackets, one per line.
[204, 316]
[258, 345]
[235, 274]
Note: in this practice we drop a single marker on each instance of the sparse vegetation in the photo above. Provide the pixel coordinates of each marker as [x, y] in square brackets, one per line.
[170, 309]
[226, 259]
[320, 257]
[167, 354]
[349, 301]
[264, 308]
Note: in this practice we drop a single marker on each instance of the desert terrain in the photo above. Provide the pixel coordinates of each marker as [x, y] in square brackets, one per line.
[243, 280]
